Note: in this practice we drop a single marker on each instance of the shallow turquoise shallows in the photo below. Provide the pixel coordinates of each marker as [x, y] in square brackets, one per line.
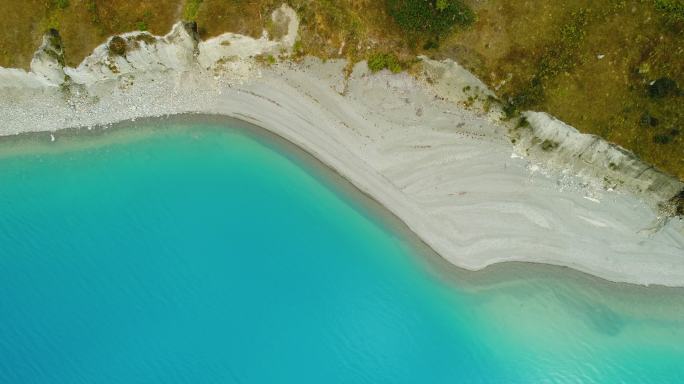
[186, 252]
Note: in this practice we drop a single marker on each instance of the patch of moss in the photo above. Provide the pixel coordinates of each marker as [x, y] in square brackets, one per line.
[380, 61]
[663, 87]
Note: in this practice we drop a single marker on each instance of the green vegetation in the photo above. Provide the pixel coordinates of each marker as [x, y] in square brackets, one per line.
[61, 4]
[380, 61]
[522, 123]
[265, 59]
[663, 87]
[662, 139]
[558, 58]
[191, 9]
[430, 16]
[55, 50]
[673, 9]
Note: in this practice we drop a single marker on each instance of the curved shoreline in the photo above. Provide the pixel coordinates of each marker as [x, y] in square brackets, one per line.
[449, 173]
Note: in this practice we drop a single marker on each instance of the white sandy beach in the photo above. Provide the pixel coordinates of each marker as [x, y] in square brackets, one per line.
[449, 172]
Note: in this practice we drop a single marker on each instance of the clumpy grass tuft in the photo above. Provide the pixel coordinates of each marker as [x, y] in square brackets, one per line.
[380, 61]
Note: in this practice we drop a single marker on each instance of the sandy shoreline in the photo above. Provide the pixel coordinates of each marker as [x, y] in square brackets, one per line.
[449, 173]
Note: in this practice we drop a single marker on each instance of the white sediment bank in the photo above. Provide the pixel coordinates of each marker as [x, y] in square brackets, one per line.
[449, 172]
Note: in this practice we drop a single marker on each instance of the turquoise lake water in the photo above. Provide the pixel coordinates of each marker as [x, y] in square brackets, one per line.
[186, 252]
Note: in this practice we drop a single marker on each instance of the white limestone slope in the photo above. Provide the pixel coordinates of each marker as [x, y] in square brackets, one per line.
[450, 173]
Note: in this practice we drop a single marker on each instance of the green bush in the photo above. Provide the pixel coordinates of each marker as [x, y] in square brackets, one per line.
[430, 16]
[673, 9]
[380, 61]
[662, 139]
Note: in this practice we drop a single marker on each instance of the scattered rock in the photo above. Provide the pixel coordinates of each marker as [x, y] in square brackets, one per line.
[48, 60]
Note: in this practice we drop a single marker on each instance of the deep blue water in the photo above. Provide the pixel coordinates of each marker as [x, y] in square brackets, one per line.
[203, 254]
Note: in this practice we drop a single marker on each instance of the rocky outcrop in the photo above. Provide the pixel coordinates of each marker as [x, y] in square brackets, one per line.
[556, 146]
[48, 61]
[605, 164]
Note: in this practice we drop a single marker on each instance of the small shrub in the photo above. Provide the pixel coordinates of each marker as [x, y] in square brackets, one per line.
[380, 61]
[431, 44]
[522, 122]
[662, 139]
[673, 9]
[662, 87]
[648, 120]
[117, 46]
